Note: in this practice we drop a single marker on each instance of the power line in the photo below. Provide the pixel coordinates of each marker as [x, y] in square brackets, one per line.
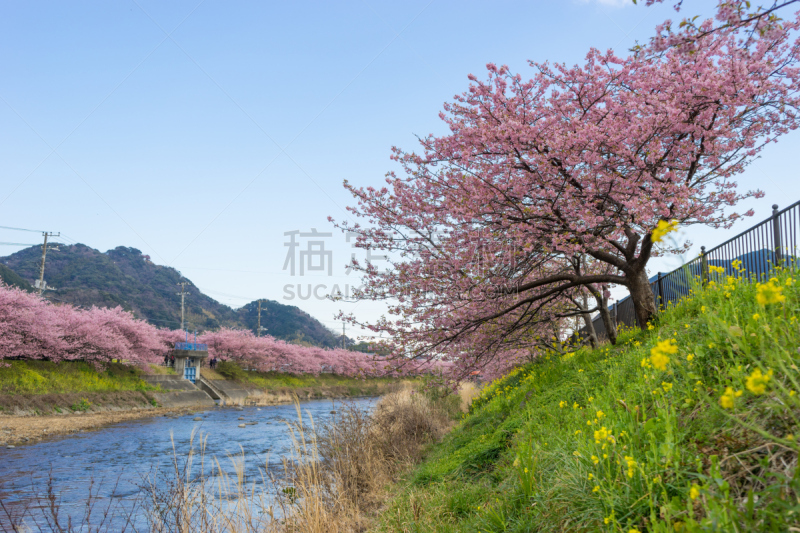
[17, 244]
[22, 229]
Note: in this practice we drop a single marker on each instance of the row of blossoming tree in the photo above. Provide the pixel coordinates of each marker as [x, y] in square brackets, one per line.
[548, 190]
[33, 328]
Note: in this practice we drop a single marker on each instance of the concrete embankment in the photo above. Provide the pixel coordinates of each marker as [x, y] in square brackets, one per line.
[178, 392]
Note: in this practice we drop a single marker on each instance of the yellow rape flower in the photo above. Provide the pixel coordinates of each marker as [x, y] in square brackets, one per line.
[769, 293]
[562, 403]
[631, 462]
[601, 435]
[662, 229]
[596, 488]
[666, 386]
[595, 459]
[600, 415]
[659, 354]
[728, 397]
[694, 492]
[757, 382]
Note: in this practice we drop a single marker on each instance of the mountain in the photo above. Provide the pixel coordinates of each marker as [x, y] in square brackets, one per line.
[288, 322]
[123, 276]
[9, 277]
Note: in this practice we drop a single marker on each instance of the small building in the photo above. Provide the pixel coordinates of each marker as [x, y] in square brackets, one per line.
[188, 358]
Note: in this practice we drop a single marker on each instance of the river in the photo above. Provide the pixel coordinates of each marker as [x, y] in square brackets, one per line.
[118, 459]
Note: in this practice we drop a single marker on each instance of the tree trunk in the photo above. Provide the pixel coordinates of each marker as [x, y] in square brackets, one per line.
[644, 302]
[608, 322]
[587, 320]
[605, 316]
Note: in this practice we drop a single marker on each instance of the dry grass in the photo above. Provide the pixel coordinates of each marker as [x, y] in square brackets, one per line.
[342, 469]
[467, 391]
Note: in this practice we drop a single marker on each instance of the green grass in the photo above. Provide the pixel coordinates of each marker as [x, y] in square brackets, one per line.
[43, 377]
[601, 440]
[274, 381]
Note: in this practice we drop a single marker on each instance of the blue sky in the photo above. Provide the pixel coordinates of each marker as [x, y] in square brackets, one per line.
[201, 132]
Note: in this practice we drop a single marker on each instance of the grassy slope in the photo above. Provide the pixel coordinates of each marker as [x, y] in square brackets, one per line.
[43, 377]
[602, 441]
[350, 386]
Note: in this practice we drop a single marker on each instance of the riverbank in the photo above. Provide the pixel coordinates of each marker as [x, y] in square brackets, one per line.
[40, 398]
[19, 430]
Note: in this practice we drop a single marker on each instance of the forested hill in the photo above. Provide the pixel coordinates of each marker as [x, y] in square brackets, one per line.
[123, 276]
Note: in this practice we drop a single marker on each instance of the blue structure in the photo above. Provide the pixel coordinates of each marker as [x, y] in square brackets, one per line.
[188, 358]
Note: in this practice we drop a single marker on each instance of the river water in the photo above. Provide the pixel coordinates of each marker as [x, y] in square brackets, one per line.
[117, 460]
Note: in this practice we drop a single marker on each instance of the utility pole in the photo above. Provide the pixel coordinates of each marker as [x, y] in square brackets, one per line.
[258, 331]
[182, 294]
[44, 254]
[344, 344]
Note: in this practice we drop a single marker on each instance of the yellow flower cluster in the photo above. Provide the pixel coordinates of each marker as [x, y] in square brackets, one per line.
[662, 229]
[728, 397]
[603, 436]
[659, 354]
[757, 382]
[769, 292]
[631, 465]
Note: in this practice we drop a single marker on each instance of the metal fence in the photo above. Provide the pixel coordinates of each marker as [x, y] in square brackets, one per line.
[760, 248]
[191, 346]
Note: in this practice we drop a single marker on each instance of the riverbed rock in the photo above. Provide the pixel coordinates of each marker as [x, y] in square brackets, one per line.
[242, 425]
[198, 418]
[241, 418]
[10, 447]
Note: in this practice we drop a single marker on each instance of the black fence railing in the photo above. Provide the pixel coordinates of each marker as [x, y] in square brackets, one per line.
[759, 249]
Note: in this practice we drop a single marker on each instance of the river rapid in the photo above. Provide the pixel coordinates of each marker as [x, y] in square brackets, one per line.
[117, 461]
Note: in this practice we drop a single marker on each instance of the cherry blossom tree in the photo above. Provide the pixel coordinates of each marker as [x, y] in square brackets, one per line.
[33, 328]
[596, 160]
